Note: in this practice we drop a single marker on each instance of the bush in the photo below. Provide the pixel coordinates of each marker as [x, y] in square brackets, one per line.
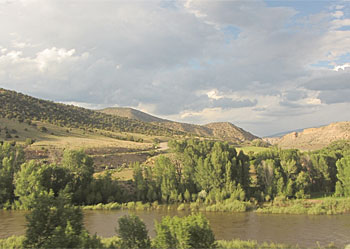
[43, 129]
[29, 141]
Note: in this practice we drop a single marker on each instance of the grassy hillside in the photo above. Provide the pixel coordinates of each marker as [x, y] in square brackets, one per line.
[27, 109]
[105, 149]
[230, 132]
[314, 138]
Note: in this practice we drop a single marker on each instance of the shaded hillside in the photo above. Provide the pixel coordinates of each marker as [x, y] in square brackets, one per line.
[314, 138]
[25, 108]
[221, 130]
[230, 132]
[132, 114]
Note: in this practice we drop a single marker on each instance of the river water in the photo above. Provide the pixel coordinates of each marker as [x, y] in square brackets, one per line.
[304, 230]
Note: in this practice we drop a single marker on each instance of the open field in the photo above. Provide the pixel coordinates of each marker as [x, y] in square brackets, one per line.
[247, 149]
[105, 149]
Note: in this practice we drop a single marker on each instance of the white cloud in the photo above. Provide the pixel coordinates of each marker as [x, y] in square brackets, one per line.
[342, 67]
[213, 94]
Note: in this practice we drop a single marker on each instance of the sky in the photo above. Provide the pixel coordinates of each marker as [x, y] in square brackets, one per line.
[266, 66]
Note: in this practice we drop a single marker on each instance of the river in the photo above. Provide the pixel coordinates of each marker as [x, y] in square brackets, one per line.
[303, 230]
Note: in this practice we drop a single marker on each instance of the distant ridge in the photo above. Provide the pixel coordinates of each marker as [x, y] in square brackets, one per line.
[219, 130]
[132, 114]
[313, 138]
[281, 134]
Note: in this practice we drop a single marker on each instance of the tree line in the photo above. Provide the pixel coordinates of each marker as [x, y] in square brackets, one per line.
[21, 182]
[207, 171]
[214, 172]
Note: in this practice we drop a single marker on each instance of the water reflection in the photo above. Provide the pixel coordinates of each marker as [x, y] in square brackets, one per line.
[290, 229]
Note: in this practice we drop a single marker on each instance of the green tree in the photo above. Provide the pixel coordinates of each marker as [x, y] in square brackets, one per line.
[133, 232]
[54, 223]
[167, 178]
[35, 177]
[192, 231]
[343, 184]
[11, 157]
[82, 168]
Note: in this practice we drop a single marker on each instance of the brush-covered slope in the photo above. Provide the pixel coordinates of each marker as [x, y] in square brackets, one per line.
[221, 130]
[230, 132]
[24, 108]
[132, 114]
[314, 138]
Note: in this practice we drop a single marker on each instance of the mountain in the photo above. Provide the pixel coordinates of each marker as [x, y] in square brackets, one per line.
[281, 134]
[24, 108]
[313, 138]
[220, 130]
[228, 131]
[132, 114]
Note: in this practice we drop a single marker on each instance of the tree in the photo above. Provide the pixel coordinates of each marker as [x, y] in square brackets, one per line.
[82, 168]
[54, 223]
[11, 157]
[192, 231]
[35, 177]
[343, 184]
[133, 232]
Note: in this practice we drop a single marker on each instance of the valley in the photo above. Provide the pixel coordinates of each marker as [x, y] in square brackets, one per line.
[121, 159]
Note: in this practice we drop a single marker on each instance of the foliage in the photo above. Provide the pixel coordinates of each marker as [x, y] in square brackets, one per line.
[82, 169]
[11, 157]
[14, 242]
[188, 232]
[343, 183]
[34, 177]
[133, 233]
[312, 207]
[214, 169]
[54, 223]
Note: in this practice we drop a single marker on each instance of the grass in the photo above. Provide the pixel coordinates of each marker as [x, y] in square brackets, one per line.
[75, 138]
[242, 244]
[12, 242]
[247, 149]
[16, 242]
[327, 205]
[124, 175]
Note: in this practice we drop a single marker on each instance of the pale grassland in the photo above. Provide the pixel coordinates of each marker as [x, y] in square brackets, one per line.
[72, 138]
[123, 174]
[254, 149]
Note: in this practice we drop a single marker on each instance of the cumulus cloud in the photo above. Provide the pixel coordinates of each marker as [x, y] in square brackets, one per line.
[188, 60]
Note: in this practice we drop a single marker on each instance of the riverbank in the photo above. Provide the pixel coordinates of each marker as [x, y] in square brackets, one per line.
[329, 205]
[323, 206]
[16, 242]
[232, 206]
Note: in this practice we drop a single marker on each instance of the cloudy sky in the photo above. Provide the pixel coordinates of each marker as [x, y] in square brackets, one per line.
[266, 66]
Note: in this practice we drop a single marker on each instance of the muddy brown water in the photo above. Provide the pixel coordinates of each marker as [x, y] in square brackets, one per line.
[304, 230]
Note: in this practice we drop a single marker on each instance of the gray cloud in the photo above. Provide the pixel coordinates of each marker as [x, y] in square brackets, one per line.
[157, 55]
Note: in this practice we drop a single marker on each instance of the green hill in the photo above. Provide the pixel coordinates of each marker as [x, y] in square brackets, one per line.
[24, 108]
